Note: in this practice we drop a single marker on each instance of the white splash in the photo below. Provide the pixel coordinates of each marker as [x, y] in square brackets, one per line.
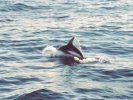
[51, 51]
[85, 60]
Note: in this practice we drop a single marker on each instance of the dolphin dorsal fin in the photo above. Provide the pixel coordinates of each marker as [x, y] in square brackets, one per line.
[74, 42]
[72, 48]
[71, 41]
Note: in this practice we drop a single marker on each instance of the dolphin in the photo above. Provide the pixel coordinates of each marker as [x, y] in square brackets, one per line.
[66, 53]
[69, 54]
[71, 50]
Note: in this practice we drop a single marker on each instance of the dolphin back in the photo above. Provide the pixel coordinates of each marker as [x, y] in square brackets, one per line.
[72, 49]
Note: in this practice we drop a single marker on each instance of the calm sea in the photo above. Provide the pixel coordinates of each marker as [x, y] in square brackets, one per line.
[104, 29]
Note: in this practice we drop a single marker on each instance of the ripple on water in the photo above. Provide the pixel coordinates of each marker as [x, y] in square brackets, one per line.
[103, 27]
[41, 95]
[20, 7]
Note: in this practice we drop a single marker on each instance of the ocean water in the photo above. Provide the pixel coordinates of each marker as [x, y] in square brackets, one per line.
[104, 29]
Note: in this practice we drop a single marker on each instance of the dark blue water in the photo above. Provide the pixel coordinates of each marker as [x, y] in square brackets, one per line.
[104, 29]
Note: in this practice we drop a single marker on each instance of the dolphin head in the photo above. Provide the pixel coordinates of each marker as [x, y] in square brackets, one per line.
[72, 50]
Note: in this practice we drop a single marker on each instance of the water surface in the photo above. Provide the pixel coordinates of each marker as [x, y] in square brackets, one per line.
[104, 29]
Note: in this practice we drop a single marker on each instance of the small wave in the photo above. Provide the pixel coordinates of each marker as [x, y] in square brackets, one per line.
[9, 58]
[8, 81]
[6, 20]
[42, 94]
[20, 7]
[94, 90]
[115, 49]
[119, 73]
[61, 17]
[23, 7]
[109, 8]
[3, 10]
[123, 75]
[111, 27]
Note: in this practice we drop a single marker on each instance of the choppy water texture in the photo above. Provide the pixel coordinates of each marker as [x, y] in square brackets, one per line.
[104, 29]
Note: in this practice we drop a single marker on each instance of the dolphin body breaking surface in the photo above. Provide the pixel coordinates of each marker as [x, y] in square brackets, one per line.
[68, 54]
[72, 50]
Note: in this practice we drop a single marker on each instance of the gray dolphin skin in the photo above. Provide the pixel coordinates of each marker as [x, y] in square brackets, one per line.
[72, 50]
